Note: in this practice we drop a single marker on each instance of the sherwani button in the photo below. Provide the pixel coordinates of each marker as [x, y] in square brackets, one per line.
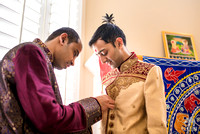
[112, 116]
[110, 132]
[111, 124]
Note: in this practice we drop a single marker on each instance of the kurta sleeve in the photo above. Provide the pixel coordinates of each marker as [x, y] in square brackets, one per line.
[155, 102]
[38, 100]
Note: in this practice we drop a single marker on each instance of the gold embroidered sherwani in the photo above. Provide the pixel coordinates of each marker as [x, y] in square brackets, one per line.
[138, 92]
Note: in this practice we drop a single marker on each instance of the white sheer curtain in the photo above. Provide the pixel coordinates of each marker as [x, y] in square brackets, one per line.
[25, 20]
[67, 13]
[92, 64]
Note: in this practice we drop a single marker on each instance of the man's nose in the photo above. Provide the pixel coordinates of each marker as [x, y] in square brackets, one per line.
[103, 59]
[73, 62]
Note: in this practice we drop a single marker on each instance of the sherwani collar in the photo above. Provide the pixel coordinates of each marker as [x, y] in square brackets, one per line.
[130, 61]
[47, 51]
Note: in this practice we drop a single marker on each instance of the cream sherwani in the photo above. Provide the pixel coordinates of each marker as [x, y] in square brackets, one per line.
[138, 92]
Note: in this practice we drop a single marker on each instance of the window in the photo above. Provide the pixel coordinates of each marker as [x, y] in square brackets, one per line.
[10, 24]
[25, 20]
[67, 13]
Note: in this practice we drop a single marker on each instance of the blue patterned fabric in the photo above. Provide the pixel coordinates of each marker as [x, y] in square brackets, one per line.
[182, 92]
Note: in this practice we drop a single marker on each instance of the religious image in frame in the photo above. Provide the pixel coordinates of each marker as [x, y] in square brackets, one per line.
[179, 46]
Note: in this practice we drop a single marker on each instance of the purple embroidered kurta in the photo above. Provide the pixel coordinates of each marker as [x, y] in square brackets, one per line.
[30, 101]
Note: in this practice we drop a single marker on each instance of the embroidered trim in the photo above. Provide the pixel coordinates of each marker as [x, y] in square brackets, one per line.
[121, 83]
[49, 54]
[133, 71]
[92, 110]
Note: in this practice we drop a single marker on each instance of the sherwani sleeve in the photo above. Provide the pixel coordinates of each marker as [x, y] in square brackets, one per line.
[155, 102]
[38, 100]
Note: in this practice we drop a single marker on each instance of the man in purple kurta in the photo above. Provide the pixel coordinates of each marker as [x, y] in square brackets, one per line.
[30, 100]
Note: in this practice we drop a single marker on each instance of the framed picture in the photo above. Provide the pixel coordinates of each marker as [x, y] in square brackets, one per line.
[179, 46]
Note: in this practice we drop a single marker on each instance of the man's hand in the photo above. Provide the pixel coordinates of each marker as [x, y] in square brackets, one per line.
[105, 102]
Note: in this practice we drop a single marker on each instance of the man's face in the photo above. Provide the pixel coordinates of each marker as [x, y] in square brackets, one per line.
[65, 55]
[108, 53]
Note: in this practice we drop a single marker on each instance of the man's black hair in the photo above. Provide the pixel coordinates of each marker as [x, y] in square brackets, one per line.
[108, 32]
[72, 34]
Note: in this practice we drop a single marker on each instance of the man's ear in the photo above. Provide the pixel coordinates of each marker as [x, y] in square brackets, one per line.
[63, 38]
[119, 42]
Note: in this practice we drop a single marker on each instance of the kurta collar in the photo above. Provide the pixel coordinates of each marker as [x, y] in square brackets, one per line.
[128, 62]
[39, 42]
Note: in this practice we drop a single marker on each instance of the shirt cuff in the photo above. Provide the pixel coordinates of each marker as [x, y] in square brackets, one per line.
[92, 110]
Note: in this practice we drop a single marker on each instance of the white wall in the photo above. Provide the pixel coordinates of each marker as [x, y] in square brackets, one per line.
[142, 21]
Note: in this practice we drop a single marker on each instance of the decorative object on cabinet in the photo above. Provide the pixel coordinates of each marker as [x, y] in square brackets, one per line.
[179, 46]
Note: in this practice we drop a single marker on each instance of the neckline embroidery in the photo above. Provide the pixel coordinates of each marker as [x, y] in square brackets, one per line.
[39, 42]
[128, 62]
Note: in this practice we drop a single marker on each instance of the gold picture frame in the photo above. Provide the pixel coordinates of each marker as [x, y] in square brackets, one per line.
[179, 46]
